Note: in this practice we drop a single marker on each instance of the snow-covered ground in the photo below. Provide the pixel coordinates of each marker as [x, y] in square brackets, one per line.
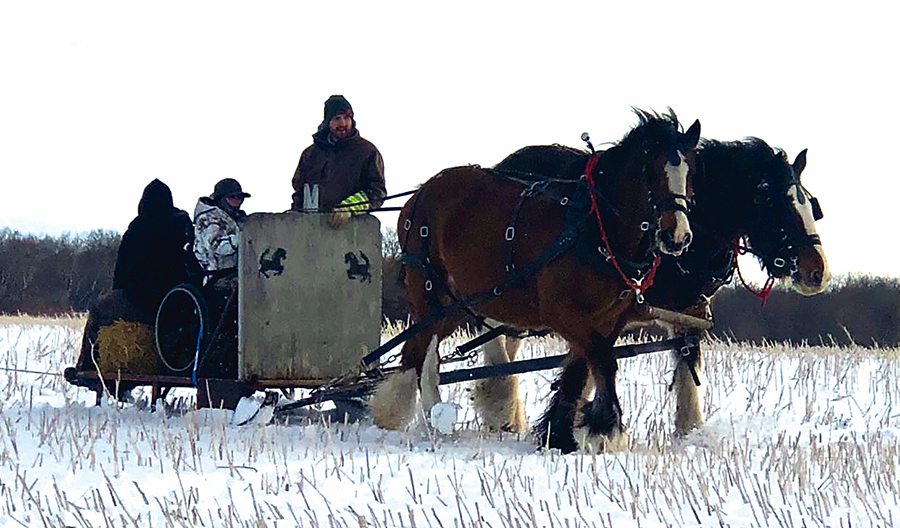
[794, 437]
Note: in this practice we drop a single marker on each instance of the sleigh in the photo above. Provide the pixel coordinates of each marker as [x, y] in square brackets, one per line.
[305, 313]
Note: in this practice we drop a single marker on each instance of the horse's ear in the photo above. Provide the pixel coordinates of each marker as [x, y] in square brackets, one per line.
[800, 163]
[692, 136]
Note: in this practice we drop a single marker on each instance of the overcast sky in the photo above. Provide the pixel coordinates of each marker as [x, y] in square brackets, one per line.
[99, 98]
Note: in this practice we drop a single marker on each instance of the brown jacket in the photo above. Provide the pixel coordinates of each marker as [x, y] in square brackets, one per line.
[339, 169]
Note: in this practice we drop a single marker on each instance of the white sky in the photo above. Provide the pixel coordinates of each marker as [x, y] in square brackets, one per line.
[99, 98]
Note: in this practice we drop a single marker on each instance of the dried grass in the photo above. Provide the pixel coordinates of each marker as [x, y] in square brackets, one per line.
[795, 437]
[127, 347]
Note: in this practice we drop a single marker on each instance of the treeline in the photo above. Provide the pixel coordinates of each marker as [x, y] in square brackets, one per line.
[856, 309]
[42, 275]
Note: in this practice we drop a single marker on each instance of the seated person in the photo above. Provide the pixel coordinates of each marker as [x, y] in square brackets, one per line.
[216, 247]
[152, 259]
[216, 228]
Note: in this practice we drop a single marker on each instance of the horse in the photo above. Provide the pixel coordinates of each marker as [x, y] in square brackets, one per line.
[742, 190]
[564, 256]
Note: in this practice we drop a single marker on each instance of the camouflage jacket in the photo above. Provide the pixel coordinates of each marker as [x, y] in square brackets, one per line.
[215, 236]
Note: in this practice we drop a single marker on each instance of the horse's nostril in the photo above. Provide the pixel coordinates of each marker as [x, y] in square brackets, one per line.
[687, 239]
[816, 277]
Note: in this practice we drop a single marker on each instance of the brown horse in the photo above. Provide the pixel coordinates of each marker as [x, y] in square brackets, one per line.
[743, 190]
[567, 256]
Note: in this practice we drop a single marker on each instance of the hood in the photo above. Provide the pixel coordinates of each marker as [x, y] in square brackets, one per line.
[204, 204]
[156, 200]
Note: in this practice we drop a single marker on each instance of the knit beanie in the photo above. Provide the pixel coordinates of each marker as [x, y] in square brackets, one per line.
[337, 104]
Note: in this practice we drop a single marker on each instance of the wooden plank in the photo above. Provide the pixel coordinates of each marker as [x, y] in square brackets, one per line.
[676, 318]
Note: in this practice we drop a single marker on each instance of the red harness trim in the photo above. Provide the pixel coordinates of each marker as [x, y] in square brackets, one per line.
[638, 287]
[763, 294]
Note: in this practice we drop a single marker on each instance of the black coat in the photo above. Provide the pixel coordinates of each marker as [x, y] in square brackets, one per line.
[155, 253]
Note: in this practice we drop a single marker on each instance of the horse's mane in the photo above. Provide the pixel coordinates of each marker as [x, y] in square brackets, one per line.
[653, 129]
[748, 162]
[651, 123]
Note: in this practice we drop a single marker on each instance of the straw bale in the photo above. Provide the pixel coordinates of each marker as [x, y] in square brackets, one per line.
[127, 347]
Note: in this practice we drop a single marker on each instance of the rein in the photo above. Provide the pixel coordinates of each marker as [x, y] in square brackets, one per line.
[638, 286]
[376, 209]
[767, 288]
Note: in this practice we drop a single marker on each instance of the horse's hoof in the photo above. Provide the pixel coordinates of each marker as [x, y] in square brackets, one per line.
[684, 428]
[564, 443]
[393, 405]
[616, 441]
[498, 403]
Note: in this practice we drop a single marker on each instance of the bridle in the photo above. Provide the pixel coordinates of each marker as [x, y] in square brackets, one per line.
[782, 261]
[659, 205]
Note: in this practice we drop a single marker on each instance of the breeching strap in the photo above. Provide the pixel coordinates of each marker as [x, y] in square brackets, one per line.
[637, 286]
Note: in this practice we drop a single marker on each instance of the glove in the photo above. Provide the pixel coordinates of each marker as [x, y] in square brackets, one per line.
[339, 218]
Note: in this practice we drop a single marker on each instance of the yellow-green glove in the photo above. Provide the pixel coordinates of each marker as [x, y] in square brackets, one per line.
[356, 203]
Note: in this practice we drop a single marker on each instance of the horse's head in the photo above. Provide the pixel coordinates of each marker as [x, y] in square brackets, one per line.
[668, 158]
[785, 237]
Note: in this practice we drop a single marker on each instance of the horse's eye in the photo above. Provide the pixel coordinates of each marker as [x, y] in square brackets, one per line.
[816, 209]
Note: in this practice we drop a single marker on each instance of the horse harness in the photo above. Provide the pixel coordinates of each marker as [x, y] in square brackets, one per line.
[577, 199]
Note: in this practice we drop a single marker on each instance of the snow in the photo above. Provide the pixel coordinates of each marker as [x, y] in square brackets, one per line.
[804, 436]
[444, 416]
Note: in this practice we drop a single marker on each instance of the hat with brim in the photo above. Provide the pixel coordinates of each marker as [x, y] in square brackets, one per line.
[228, 188]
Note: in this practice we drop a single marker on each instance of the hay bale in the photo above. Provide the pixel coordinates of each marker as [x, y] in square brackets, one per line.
[127, 347]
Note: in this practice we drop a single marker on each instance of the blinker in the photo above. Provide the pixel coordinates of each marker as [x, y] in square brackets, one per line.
[816, 208]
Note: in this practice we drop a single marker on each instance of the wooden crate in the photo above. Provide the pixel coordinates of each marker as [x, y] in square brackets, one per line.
[309, 296]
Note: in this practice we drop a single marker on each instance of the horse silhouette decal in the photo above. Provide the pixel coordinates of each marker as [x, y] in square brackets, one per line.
[271, 264]
[357, 269]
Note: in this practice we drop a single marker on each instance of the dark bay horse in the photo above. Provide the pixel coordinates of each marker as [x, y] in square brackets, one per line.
[568, 257]
[742, 190]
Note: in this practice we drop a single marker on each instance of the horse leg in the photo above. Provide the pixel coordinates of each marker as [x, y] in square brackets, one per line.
[393, 405]
[554, 429]
[430, 380]
[688, 414]
[601, 428]
[497, 399]
[688, 363]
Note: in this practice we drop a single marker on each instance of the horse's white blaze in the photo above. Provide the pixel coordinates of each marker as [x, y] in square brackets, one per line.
[677, 178]
[809, 225]
[804, 210]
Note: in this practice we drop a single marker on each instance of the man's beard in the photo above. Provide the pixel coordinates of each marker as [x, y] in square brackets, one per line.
[342, 133]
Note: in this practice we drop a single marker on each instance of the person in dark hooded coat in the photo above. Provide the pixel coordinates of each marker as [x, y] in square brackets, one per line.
[154, 256]
[154, 253]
